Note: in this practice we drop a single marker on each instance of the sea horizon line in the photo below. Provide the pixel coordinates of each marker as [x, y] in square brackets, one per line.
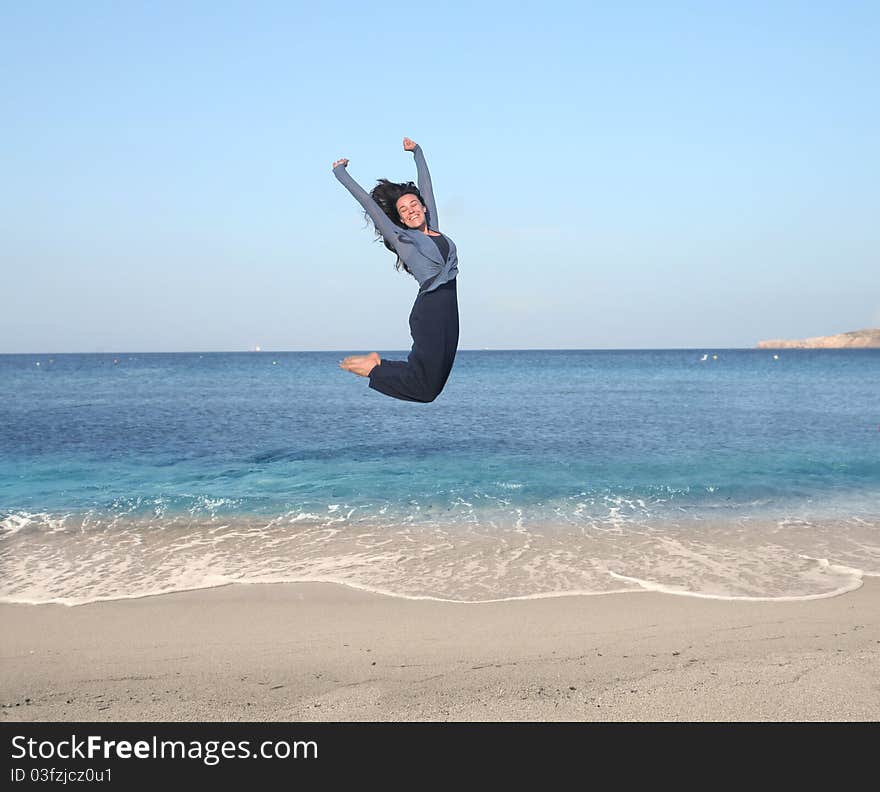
[349, 351]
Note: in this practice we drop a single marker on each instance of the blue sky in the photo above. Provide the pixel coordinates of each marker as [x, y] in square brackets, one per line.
[614, 175]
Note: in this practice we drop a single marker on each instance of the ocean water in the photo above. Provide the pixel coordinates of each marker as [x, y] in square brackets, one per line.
[717, 473]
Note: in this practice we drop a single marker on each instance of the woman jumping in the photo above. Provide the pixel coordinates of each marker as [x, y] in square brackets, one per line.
[405, 216]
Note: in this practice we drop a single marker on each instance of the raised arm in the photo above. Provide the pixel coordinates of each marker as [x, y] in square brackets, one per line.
[424, 180]
[380, 219]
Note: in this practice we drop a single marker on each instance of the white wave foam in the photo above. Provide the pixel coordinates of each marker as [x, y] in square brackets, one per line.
[16, 522]
[19, 521]
[460, 555]
[662, 588]
[304, 516]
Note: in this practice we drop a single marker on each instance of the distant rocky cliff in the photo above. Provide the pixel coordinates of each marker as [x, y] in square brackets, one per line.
[862, 339]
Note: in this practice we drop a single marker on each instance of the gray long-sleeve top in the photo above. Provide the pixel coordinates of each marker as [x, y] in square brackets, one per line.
[418, 251]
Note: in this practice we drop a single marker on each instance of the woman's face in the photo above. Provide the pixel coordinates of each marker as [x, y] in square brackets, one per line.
[411, 211]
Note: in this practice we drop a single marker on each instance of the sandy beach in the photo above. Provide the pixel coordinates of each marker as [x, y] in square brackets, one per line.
[323, 652]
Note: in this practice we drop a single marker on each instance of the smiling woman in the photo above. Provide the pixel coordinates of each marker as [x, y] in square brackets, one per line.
[405, 216]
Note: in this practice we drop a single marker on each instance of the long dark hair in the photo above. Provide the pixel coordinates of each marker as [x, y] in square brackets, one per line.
[387, 194]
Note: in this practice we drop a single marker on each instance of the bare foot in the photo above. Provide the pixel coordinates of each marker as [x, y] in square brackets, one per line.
[361, 365]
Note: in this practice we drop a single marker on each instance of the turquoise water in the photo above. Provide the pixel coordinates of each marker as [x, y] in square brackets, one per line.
[535, 473]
